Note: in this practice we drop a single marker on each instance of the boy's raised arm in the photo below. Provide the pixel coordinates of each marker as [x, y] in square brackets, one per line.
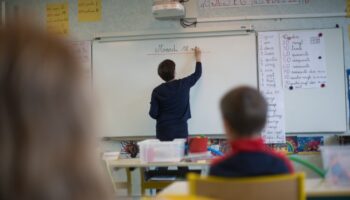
[193, 78]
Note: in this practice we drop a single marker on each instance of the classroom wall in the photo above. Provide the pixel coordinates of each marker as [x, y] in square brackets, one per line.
[117, 16]
[135, 16]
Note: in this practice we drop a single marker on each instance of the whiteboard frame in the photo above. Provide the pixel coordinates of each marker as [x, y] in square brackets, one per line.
[210, 32]
[168, 34]
[186, 33]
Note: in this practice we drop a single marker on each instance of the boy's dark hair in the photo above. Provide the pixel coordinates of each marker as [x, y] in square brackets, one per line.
[245, 110]
[166, 70]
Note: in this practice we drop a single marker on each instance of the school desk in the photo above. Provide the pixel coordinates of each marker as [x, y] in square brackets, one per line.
[315, 189]
[136, 163]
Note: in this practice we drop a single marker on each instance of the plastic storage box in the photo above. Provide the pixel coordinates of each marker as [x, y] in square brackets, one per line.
[154, 150]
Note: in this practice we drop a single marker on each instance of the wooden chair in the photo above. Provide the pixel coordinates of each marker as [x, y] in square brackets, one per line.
[117, 185]
[286, 187]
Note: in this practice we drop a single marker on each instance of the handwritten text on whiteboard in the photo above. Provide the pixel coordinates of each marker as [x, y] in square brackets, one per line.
[303, 59]
[270, 85]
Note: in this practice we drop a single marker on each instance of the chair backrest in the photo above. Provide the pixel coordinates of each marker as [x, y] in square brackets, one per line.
[285, 187]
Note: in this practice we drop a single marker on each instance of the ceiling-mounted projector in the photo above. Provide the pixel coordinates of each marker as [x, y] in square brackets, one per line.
[168, 9]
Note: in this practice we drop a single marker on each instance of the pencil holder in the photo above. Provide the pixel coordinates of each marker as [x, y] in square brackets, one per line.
[198, 145]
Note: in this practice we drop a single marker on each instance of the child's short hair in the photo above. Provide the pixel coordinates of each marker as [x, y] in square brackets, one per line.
[166, 70]
[245, 110]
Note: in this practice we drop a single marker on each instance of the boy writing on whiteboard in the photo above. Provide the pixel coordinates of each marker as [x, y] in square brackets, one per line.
[170, 104]
[244, 112]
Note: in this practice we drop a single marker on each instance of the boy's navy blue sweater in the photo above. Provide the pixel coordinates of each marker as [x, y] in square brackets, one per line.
[250, 157]
[170, 106]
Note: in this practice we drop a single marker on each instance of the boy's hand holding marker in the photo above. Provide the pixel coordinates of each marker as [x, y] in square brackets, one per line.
[197, 54]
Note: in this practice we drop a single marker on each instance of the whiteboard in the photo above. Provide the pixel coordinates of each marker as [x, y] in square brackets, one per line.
[319, 109]
[125, 73]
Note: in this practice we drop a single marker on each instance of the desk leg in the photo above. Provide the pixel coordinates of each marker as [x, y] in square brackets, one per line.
[124, 185]
[128, 179]
[142, 179]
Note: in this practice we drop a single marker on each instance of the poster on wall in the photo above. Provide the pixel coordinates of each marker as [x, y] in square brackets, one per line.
[57, 18]
[82, 50]
[89, 10]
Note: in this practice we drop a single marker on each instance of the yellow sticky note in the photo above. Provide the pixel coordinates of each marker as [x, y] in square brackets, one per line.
[348, 8]
[57, 18]
[89, 10]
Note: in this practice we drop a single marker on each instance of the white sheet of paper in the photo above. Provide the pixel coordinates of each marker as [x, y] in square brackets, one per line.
[303, 60]
[83, 52]
[270, 85]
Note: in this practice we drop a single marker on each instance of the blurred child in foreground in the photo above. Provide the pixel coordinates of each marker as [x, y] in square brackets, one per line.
[46, 145]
